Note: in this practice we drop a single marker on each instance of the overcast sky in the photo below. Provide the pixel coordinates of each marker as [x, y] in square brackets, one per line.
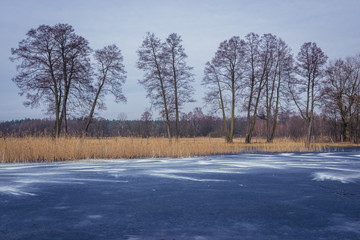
[333, 25]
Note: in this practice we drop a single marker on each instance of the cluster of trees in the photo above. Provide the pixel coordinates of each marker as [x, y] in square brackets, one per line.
[260, 76]
[57, 68]
[257, 76]
[167, 77]
[341, 95]
[248, 73]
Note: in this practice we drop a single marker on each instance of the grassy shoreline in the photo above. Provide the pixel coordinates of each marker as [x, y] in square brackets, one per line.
[47, 149]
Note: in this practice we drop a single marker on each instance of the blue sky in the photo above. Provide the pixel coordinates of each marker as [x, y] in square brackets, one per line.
[333, 25]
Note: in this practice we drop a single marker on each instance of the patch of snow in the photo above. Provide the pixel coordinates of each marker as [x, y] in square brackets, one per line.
[95, 216]
[15, 191]
[286, 154]
[184, 178]
[335, 176]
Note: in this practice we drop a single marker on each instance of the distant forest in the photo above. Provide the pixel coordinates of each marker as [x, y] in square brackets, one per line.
[277, 94]
[193, 124]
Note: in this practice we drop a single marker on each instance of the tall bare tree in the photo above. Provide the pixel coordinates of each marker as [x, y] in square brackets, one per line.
[110, 77]
[260, 61]
[152, 60]
[281, 70]
[252, 61]
[54, 68]
[226, 72]
[305, 91]
[180, 75]
[215, 95]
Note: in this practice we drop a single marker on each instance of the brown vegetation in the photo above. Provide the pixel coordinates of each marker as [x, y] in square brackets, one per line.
[47, 149]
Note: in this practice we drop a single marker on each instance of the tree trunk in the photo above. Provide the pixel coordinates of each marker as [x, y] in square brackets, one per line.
[57, 113]
[231, 133]
[57, 125]
[253, 120]
[167, 119]
[89, 118]
[268, 107]
[92, 110]
[176, 107]
[63, 111]
[226, 130]
[250, 103]
[276, 111]
[357, 129]
[163, 93]
[65, 122]
[309, 131]
[346, 130]
[272, 136]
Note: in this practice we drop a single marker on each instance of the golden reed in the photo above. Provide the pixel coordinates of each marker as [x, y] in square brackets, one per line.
[47, 149]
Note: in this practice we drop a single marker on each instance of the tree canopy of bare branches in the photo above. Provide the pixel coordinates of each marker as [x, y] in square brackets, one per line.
[54, 69]
[110, 77]
[152, 60]
[341, 91]
[223, 76]
[179, 74]
[261, 62]
[306, 90]
[167, 77]
[280, 70]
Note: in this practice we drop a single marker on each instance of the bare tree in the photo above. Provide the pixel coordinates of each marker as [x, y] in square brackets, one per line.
[252, 61]
[54, 67]
[152, 60]
[214, 95]
[342, 85]
[226, 71]
[280, 71]
[180, 75]
[260, 60]
[110, 77]
[305, 91]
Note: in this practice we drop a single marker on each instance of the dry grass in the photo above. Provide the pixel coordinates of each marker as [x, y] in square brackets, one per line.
[47, 149]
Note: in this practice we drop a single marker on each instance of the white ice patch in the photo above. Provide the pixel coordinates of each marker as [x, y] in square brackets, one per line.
[15, 191]
[93, 180]
[172, 176]
[286, 154]
[95, 216]
[251, 164]
[336, 176]
[342, 224]
[347, 227]
[27, 181]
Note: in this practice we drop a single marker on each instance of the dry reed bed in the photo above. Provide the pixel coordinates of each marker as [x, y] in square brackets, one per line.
[47, 149]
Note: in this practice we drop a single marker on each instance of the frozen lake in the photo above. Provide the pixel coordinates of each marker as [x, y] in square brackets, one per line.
[243, 196]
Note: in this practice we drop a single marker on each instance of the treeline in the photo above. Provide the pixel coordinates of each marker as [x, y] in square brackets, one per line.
[276, 93]
[192, 124]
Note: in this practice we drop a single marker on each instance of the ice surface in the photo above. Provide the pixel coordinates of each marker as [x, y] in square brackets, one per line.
[255, 196]
[20, 179]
